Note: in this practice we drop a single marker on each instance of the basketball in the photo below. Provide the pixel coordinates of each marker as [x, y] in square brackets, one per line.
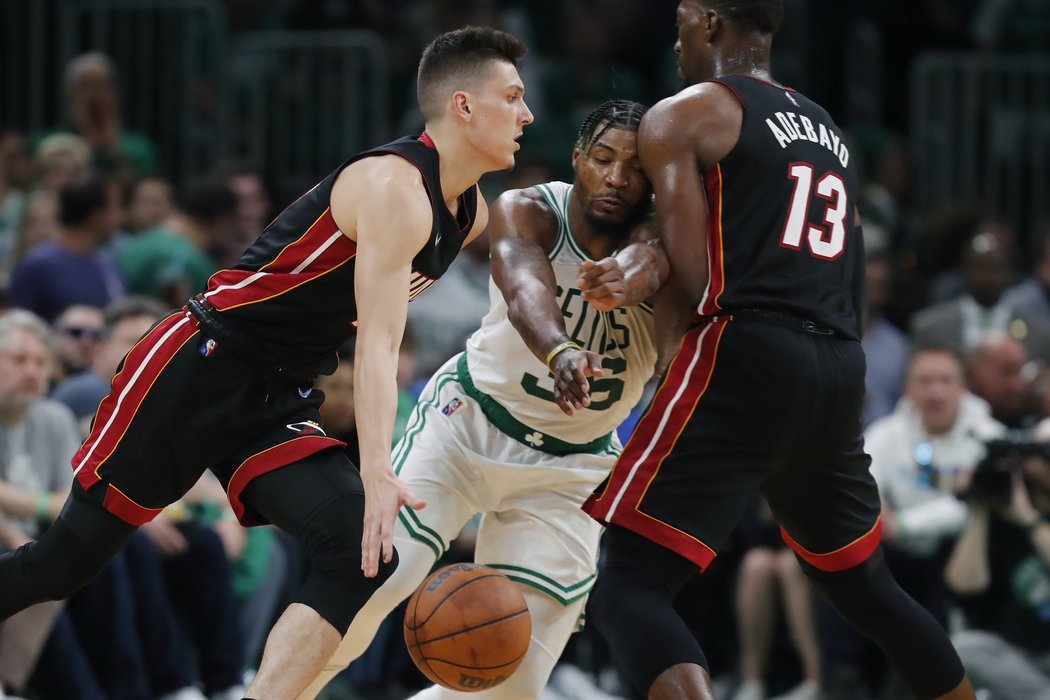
[467, 627]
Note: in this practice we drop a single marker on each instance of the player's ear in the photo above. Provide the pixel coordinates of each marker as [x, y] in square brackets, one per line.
[461, 105]
[576, 155]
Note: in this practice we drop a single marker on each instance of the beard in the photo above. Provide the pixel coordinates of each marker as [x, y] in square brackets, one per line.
[606, 226]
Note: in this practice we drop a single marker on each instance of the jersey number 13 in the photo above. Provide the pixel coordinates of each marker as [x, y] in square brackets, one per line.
[827, 239]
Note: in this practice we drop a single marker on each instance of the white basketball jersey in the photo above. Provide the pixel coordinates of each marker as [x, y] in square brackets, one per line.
[501, 365]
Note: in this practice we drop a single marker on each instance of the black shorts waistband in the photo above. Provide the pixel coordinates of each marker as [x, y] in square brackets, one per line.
[242, 346]
[781, 319]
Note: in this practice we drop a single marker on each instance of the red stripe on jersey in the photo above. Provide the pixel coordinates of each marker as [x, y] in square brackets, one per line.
[658, 430]
[272, 458]
[715, 257]
[298, 251]
[142, 366]
[317, 252]
[117, 503]
[856, 552]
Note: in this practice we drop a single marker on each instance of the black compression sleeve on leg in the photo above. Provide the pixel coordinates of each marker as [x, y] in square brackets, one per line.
[66, 557]
[632, 605]
[319, 501]
[868, 597]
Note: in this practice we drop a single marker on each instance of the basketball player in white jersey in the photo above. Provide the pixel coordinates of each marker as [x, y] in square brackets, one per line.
[572, 266]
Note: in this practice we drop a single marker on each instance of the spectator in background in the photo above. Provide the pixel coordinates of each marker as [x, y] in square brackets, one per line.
[12, 201]
[999, 571]
[16, 160]
[39, 223]
[93, 99]
[922, 455]
[74, 268]
[124, 322]
[961, 322]
[77, 332]
[150, 202]
[253, 208]
[996, 371]
[885, 346]
[37, 438]
[1031, 298]
[62, 159]
[174, 261]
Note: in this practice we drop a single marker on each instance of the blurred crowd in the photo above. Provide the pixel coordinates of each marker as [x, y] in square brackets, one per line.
[97, 244]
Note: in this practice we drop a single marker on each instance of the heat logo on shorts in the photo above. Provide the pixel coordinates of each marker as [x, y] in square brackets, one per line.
[208, 347]
[306, 427]
[451, 407]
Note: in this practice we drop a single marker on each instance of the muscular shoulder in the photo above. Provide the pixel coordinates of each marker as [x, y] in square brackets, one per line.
[381, 186]
[525, 213]
[705, 118]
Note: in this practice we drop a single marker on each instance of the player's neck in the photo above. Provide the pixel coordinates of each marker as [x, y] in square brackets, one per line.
[749, 58]
[458, 171]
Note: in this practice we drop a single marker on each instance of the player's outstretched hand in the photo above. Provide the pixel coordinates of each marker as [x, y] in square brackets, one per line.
[602, 284]
[571, 369]
[384, 496]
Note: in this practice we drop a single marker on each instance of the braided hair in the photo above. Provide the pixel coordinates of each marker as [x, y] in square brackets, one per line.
[620, 114]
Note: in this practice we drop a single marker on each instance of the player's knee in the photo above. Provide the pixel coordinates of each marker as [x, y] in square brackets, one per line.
[337, 588]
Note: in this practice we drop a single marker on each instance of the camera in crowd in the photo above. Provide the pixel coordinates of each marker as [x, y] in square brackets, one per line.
[991, 482]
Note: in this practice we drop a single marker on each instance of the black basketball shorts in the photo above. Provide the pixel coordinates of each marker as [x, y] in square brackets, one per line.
[180, 404]
[751, 406]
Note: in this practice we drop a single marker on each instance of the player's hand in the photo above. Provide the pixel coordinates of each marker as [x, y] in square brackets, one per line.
[571, 369]
[603, 284]
[384, 496]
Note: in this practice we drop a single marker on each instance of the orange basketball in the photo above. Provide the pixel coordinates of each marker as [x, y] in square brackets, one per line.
[467, 627]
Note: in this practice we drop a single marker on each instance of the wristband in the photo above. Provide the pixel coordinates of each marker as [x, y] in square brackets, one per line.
[567, 345]
[43, 503]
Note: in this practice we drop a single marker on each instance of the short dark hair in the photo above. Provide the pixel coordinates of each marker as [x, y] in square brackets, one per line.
[763, 16]
[79, 199]
[457, 55]
[129, 307]
[208, 200]
[618, 114]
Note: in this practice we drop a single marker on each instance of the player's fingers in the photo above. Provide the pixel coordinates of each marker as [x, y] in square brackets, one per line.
[584, 388]
[387, 538]
[369, 552]
[410, 500]
[595, 362]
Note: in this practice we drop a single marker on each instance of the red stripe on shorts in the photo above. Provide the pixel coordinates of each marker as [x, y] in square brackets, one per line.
[143, 364]
[854, 553]
[268, 460]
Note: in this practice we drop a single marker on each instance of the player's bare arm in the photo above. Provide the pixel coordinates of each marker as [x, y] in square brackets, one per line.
[521, 230]
[631, 276]
[678, 139]
[382, 204]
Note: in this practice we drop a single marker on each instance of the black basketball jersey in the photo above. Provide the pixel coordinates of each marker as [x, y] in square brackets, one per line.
[293, 289]
[780, 224]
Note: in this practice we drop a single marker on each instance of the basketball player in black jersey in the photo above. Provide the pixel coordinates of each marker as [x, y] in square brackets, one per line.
[756, 205]
[226, 382]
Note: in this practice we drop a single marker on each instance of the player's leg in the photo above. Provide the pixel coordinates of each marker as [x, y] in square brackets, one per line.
[632, 605]
[415, 560]
[434, 465]
[66, 557]
[692, 466]
[828, 506]
[318, 500]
